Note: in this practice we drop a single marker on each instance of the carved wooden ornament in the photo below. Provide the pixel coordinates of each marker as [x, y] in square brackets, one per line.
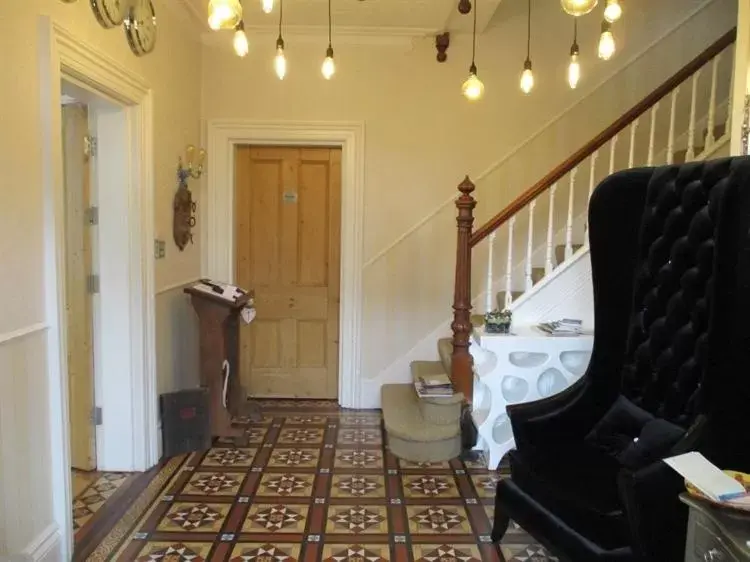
[184, 220]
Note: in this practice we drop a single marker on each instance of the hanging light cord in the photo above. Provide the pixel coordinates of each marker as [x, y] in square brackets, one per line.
[474, 41]
[528, 35]
[575, 34]
[329, 23]
[281, 15]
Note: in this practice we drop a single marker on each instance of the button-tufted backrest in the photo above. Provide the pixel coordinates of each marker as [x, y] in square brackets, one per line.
[672, 297]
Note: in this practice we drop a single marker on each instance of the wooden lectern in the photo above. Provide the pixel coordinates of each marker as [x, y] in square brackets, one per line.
[219, 341]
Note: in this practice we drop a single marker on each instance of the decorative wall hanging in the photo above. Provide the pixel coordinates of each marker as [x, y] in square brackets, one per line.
[109, 13]
[140, 27]
[183, 206]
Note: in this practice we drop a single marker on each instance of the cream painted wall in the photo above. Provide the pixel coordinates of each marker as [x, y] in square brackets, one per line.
[422, 136]
[174, 73]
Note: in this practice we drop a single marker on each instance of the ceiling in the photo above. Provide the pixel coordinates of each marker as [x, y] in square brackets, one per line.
[412, 18]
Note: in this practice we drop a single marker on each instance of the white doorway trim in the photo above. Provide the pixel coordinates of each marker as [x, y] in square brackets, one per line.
[64, 57]
[218, 262]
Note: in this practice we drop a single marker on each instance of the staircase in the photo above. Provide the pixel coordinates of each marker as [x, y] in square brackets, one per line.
[685, 119]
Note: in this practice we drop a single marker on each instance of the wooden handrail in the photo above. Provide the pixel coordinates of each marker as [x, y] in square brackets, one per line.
[602, 138]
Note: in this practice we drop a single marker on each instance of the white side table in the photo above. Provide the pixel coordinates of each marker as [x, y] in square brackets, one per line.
[524, 366]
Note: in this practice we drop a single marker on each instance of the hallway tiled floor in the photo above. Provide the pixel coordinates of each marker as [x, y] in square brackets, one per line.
[315, 483]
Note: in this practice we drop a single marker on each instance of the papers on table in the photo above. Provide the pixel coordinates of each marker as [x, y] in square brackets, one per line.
[709, 479]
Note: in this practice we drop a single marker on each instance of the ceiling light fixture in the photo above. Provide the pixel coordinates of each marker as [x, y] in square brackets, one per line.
[578, 7]
[606, 42]
[241, 45]
[574, 68]
[224, 14]
[473, 88]
[329, 67]
[612, 11]
[267, 6]
[527, 76]
[279, 61]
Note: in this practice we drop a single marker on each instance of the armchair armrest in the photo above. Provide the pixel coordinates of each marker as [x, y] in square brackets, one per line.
[656, 518]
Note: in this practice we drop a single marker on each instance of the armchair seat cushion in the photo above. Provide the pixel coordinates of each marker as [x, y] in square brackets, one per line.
[578, 484]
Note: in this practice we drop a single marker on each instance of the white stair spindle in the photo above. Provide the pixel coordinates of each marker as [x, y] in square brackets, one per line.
[652, 135]
[612, 148]
[710, 137]
[728, 123]
[548, 265]
[488, 297]
[569, 225]
[592, 179]
[509, 265]
[530, 246]
[690, 154]
[672, 113]
[631, 153]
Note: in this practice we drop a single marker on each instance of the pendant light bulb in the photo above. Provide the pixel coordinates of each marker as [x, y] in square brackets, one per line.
[279, 62]
[241, 45]
[329, 66]
[527, 78]
[613, 11]
[473, 88]
[267, 6]
[574, 71]
[578, 7]
[606, 42]
[224, 14]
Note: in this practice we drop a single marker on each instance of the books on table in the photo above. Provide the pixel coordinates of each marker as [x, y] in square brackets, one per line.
[565, 327]
[434, 386]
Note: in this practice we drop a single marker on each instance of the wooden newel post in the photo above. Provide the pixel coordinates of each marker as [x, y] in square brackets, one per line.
[462, 364]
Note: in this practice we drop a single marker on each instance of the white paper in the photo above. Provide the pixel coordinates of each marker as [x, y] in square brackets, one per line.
[705, 476]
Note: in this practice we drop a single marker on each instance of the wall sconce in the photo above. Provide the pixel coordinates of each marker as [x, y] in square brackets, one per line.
[184, 206]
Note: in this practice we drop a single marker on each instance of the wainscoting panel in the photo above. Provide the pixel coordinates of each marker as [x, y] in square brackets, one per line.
[26, 510]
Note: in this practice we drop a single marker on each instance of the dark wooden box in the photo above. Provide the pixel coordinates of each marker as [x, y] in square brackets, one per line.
[185, 422]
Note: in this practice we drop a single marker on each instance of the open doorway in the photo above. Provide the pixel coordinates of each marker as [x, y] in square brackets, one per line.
[288, 250]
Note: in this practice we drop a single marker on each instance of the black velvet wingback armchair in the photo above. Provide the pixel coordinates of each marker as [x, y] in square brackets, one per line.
[669, 372]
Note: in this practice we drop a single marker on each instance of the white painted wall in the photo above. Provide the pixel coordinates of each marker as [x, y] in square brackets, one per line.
[422, 136]
[26, 511]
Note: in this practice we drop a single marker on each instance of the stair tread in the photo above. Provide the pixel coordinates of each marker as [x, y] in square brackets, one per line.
[429, 368]
[402, 418]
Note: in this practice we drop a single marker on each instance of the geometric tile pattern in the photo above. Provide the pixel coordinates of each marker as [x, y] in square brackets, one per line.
[91, 490]
[316, 483]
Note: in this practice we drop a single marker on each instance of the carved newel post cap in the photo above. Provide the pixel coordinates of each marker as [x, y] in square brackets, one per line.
[466, 187]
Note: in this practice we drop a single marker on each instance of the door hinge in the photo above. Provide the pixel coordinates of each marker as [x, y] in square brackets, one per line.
[92, 284]
[96, 415]
[92, 216]
[89, 146]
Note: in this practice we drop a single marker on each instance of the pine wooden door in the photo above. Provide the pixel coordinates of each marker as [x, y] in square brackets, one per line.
[288, 239]
[78, 267]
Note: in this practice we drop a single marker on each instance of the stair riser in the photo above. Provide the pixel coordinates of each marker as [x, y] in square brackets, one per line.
[418, 451]
[440, 414]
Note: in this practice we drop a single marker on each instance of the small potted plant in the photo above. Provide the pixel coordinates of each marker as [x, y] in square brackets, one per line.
[498, 321]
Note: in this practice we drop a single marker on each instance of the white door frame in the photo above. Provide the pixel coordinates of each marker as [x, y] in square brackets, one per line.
[219, 243]
[132, 439]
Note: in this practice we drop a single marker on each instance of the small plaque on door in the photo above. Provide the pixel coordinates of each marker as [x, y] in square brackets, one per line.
[290, 197]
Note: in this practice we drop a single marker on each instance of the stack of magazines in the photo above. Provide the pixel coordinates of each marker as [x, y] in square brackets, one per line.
[434, 386]
[565, 327]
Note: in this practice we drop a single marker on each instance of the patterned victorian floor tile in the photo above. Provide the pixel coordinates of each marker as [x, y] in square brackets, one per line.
[430, 486]
[301, 435]
[91, 490]
[294, 457]
[317, 483]
[264, 552]
[194, 517]
[485, 484]
[174, 552]
[360, 437]
[357, 519]
[356, 553]
[438, 519]
[296, 485]
[269, 518]
[225, 456]
[357, 486]
[446, 553]
[359, 458]
[306, 420]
